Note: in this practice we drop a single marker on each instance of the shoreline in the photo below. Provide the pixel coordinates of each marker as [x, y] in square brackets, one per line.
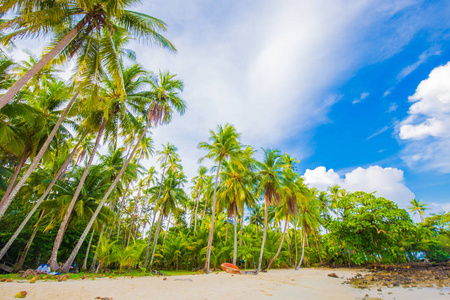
[308, 283]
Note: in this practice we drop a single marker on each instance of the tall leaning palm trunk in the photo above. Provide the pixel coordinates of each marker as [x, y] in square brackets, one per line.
[27, 247]
[4, 204]
[74, 253]
[19, 84]
[84, 267]
[154, 213]
[264, 239]
[286, 224]
[38, 203]
[235, 239]
[303, 235]
[23, 158]
[158, 230]
[122, 203]
[196, 210]
[213, 213]
[65, 222]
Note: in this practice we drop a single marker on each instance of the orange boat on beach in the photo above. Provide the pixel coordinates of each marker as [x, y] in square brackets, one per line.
[230, 268]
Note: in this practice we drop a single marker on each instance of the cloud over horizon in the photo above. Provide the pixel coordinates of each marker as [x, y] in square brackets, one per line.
[273, 78]
[386, 182]
[426, 130]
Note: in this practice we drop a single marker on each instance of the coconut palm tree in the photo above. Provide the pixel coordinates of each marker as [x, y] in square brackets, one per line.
[41, 199]
[291, 192]
[269, 181]
[419, 207]
[234, 192]
[309, 219]
[223, 144]
[171, 194]
[98, 19]
[199, 182]
[113, 109]
[159, 112]
[168, 150]
[32, 129]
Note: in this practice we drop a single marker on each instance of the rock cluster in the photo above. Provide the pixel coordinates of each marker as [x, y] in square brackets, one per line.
[407, 276]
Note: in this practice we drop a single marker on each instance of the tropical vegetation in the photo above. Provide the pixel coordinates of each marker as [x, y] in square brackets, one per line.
[77, 185]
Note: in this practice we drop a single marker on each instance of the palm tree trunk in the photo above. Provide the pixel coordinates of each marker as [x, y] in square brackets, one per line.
[226, 230]
[64, 223]
[17, 86]
[289, 246]
[235, 240]
[155, 241]
[263, 240]
[115, 216]
[204, 208]
[279, 247]
[36, 205]
[138, 225]
[84, 267]
[122, 203]
[102, 202]
[211, 229]
[167, 229]
[296, 244]
[317, 247]
[132, 220]
[303, 250]
[196, 210]
[4, 204]
[240, 229]
[22, 160]
[94, 260]
[149, 238]
[27, 247]
[154, 213]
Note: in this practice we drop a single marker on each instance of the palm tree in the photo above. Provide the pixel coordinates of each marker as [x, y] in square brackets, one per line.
[168, 150]
[269, 181]
[223, 144]
[309, 219]
[199, 182]
[172, 193]
[98, 19]
[41, 199]
[112, 109]
[38, 124]
[418, 206]
[160, 111]
[234, 192]
[291, 192]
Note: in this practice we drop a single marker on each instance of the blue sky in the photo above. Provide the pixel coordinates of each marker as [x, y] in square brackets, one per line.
[328, 82]
[357, 90]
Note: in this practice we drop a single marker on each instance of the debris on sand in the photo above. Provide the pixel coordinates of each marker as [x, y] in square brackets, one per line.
[21, 294]
[333, 275]
[410, 275]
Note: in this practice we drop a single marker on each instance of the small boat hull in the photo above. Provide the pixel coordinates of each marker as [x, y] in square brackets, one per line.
[230, 268]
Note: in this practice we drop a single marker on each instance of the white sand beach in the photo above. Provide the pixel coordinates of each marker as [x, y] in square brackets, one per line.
[276, 284]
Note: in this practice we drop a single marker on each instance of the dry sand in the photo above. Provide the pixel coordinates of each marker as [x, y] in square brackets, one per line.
[276, 284]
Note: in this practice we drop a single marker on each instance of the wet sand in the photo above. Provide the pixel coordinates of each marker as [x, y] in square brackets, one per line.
[276, 284]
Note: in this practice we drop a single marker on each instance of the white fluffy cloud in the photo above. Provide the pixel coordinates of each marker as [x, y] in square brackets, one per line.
[267, 66]
[426, 130]
[386, 182]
